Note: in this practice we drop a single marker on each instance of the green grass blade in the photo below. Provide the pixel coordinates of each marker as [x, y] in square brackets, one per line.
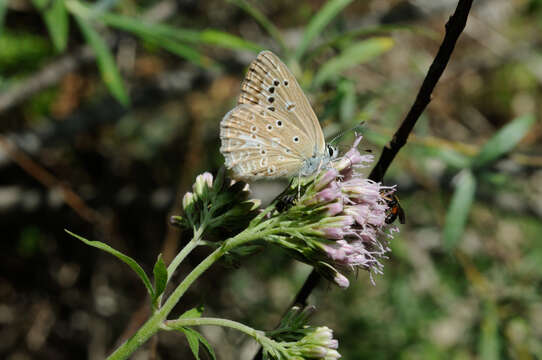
[185, 51]
[356, 54]
[458, 212]
[141, 27]
[227, 40]
[318, 23]
[106, 62]
[489, 338]
[265, 23]
[503, 141]
[55, 17]
[124, 258]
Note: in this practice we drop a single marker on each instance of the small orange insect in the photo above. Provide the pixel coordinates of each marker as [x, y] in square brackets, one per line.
[394, 209]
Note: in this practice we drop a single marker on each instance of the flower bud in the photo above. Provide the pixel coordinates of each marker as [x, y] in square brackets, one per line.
[341, 280]
[188, 199]
[202, 182]
[323, 180]
[334, 208]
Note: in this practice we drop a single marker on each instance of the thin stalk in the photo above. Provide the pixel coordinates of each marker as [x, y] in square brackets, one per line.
[192, 244]
[258, 335]
[152, 325]
[175, 324]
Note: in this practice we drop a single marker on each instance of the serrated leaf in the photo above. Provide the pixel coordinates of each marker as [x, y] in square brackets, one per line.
[458, 212]
[55, 17]
[504, 140]
[356, 54]
[124, 258]
[106, 62]
[192, 313]
[489, 339]
[318, 23]
[193, 340]
[160, 277]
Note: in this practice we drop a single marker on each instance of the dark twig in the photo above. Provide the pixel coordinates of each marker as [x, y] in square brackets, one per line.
[454, 28]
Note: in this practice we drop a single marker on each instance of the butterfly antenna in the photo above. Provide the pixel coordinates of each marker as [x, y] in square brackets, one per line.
[358, 126]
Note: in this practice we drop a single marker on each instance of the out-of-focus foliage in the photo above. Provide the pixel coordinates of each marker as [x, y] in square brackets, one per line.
[463, 279]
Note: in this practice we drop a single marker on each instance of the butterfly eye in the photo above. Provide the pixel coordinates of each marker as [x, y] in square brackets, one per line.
[331, 151]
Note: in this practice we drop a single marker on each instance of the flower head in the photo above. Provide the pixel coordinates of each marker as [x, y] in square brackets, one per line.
[217, 203]
[338, 224]
[294, 339]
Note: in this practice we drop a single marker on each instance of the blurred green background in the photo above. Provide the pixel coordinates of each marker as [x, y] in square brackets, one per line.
[109, 109]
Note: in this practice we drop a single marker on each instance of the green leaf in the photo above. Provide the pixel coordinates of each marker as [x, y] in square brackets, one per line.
[160, 277]
[106, 62]
[456, 217]
[318, 23]
[142, 27]
[124, 258]
[55, 17]
[228, 41]
[182, 50]
[192, 313]
[503, 141]
[172, 36]
[206, 345]
[356, 54]
[489, 339]
[193, 340]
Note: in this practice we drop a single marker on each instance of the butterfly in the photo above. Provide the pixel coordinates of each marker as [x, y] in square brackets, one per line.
[273, 131]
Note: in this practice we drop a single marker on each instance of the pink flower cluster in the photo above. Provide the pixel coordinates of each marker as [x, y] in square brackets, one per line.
[355, 224]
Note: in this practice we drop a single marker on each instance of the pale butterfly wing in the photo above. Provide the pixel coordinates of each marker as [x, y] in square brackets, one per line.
[269, 83]
[256, 143]
[273, 132]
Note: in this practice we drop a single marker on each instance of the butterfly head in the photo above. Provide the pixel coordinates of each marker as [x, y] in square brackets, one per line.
[319, 160]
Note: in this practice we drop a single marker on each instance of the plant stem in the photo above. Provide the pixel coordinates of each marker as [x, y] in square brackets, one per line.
[175, 324]
[192, 244]
[152, 325]
[258, 335]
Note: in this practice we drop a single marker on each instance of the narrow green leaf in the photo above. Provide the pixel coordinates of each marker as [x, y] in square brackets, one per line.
[356, 54]
[185, 51]
[504, 140]
[458, 212]
[206, 345]
[318, 23]
[192, 313]
[124, 258]
[55, 17]
[193, 340]
[489, 339]
[160, 277]
[141, 27]
[229, 41]
[106, 62]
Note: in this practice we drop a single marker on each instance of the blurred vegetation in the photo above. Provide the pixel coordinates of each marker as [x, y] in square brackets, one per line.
[113, 108]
